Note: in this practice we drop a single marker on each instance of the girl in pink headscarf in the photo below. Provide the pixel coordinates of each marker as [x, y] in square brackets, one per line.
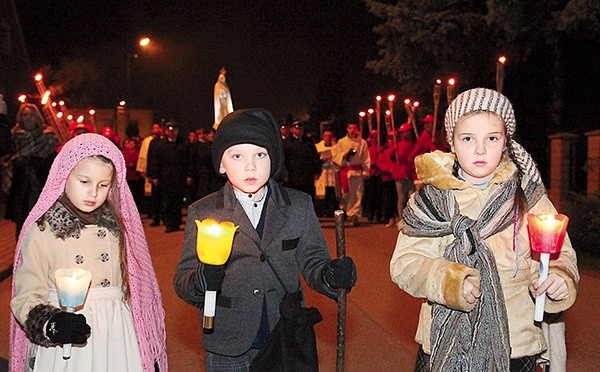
[86, 218]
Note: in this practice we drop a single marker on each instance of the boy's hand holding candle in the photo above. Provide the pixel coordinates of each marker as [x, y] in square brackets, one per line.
[213, 246]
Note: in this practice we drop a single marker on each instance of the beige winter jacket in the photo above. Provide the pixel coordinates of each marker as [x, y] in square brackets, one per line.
[418, 266]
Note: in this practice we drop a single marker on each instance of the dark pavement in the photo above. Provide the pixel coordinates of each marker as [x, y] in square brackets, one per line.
[381, 319]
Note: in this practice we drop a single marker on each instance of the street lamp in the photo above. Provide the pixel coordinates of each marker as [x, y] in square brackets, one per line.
[142, 43]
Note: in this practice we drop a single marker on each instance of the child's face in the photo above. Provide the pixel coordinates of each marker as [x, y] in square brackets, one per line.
[88, 184]
[479, 142]
[248, 167]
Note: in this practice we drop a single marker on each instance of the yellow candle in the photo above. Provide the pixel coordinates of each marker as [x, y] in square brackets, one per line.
[214, 241]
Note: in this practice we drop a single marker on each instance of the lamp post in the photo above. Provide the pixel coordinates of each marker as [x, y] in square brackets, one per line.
[370, 119]
[142, 43]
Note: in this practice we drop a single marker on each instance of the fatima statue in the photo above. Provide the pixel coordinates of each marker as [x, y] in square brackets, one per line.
[223, 103]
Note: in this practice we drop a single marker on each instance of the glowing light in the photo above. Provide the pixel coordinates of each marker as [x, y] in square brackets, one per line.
[391, 98]
[22, 98]
[38, 77]
[502, 59]
[45, 97]
[451, 81]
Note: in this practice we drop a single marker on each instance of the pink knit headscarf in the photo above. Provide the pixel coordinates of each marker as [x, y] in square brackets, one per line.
[145, 301]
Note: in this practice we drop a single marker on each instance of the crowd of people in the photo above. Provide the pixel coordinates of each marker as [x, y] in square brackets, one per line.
[167, 171]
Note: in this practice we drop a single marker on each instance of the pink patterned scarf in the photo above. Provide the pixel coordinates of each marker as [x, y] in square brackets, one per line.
[145, 301]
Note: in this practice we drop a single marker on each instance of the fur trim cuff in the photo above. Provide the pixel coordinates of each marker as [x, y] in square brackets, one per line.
[36, 320]
[453, 284]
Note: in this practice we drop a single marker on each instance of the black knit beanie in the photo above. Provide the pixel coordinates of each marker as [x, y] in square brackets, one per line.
[255, 126]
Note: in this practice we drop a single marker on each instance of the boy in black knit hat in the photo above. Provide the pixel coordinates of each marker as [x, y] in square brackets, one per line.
[277, 226]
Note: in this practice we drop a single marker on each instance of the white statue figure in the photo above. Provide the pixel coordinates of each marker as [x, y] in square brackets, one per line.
[223, 103]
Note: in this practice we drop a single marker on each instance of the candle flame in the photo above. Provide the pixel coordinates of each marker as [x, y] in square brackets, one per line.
[547, 231]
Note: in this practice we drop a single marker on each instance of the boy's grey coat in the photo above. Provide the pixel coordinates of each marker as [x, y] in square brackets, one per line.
[293, 242]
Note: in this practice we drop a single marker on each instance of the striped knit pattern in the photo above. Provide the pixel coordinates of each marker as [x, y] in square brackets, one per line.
[478, 340]
[488, 100]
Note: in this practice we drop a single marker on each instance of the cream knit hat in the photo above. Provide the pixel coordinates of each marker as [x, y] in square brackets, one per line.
[479, 100]
[488, 100]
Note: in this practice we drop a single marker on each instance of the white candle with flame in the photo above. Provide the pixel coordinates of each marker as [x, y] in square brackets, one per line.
[72, 287]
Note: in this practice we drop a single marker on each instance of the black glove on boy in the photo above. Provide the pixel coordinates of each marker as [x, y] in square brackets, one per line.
[210, 277]
[340, 273]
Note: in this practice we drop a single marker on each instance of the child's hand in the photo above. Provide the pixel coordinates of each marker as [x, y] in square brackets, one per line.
[554, 286]
[471, 291]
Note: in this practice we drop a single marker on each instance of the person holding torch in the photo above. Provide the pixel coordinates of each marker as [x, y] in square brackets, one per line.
[278, 237]
[464, 247]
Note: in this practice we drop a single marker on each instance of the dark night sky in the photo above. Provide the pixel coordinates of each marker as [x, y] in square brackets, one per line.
[275, 52]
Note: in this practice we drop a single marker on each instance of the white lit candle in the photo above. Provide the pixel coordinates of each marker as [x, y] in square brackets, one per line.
[72, 287]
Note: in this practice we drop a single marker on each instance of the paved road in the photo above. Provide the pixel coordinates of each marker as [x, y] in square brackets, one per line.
[381, 318]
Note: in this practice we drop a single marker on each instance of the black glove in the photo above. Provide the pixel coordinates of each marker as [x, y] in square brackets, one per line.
[210, 277]
[67, 328]
[340, 273]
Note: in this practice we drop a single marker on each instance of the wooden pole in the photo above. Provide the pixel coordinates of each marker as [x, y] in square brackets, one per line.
[436, 104]
[340, 240]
